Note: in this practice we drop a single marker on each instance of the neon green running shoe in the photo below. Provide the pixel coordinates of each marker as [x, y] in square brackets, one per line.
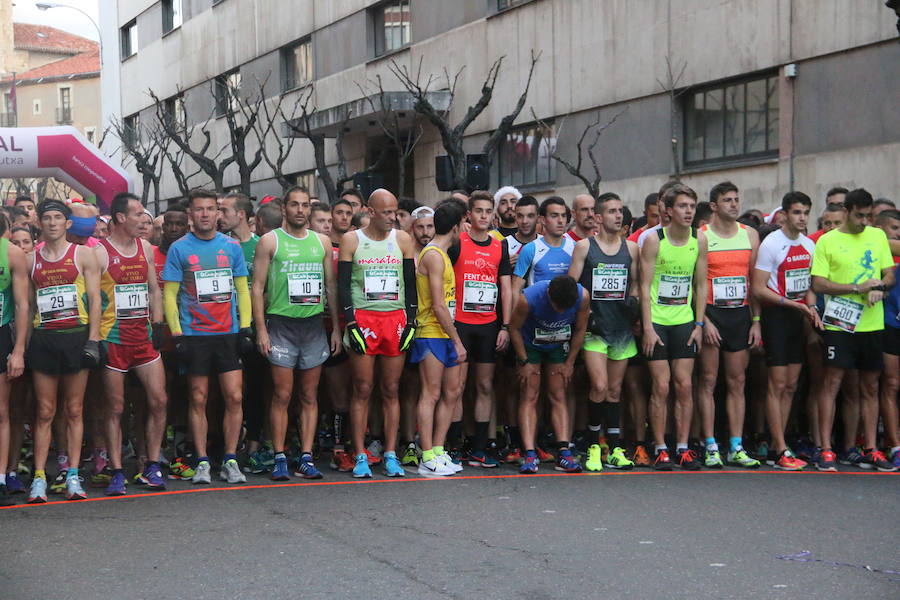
[742, 459]
[712, 460]
[594, 459]
[616, 459]
[411, 456]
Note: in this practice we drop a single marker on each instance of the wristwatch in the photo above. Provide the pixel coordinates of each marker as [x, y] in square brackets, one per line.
[521, 362]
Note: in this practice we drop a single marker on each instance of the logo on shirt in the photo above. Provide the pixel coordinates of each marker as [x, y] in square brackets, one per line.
[868, 266]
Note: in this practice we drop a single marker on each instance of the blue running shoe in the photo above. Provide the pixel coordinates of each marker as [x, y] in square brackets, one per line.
[280, 470]
[307, 469]
[566, 462]
[116, 485]
[152, 477]
[361, 470]
[14, 485]
[38, 493]
[529, 463]
[392, 466]
[895, 460]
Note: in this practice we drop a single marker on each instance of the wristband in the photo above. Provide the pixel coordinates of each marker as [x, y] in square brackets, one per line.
[699, 324]
[756, 319]
[505, 327]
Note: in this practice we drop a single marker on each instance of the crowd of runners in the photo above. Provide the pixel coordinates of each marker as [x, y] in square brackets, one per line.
[274, 336]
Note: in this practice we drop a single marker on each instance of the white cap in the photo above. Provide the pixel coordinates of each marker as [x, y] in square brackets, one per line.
[507, 189]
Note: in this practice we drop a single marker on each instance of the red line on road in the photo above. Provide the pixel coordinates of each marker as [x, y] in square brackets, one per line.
[202, 490]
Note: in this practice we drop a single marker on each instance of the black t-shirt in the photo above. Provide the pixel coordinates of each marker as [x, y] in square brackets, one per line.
[507, 231]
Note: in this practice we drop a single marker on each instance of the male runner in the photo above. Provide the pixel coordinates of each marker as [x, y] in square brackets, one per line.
[551, 253]
[781, 285]
[583, 214]
[505, 200]
[354, 199]
[131, 327]
[526, 228]
[853, 266]
[651, 216]
[376, 284]
[438, 349]
[320, 218]
[732, 322]
[606, 266]
[889, 222]
[834, 214]
[547, 327]
[65, 342]
[294, 271]
[673, 272]
[204, 272]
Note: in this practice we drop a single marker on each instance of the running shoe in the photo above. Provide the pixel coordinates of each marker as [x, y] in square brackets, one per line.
[280, 470]
[762, 450]
[341, 461]
[455, 455]
[306, 468]
[805, 449]
[180, 470]
[5, 498]
[788, 462]
[371, 458]
[59, 484]
[604, 448]
[456, 467]
[513, 455]
[712, 459]
[544, 456]
[266, 456]
[529, 463]
[362, 470]
[410, 456]
[38, 492]
[618, 460]
[594, 462]
[101, 478]
[480, 458]
[567, 463]
[202, 473]
[231, 472]
[116, 485]
[153, 479]
[434, 468]
[877, 460]
[256, 463]
[74, 491]
[640, 457]
[662, 462]
[852, 456]
[375, 450]
[742, 459]
[14, 485]
[392, 466]
[895, 460]
[100, 472]
[826, 461]
[687, 460]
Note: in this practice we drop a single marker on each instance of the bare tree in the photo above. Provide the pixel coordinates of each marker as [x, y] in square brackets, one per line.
[272, 129]
[452, 136]
[670, 86]
[143, 147]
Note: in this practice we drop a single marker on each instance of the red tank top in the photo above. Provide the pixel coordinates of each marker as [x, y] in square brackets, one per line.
[125, 297]
[60, 291]
[160, 259]
[477, 273]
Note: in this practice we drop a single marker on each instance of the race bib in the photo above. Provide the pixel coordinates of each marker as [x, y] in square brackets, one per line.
[729, 292]
[609, 283]
[673, 290]
[842, 313]
[479, 296]
[552, 336]
[213, 285]
[304, 288]
[132, 301]
[452, 307]
[57, 302]
[796, 283]
[381, 285]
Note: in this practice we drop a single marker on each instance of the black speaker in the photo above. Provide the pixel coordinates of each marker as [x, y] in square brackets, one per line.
[443, 173]
[478, 176]
[367, 183]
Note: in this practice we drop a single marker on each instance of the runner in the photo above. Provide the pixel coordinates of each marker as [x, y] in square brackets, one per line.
[889, 222]
[585, 220]
[437, 348]
[376, 283]
[547, 327]
[781, 286]
[205, 290]
[606, 266]
[673, 272]
[505, 200]
[852, 266]
[551, 253]
[651, 216]
[354, 199]
[732, 323]
[65, 342]
[320, 218]
[131, 327]
[294, 273]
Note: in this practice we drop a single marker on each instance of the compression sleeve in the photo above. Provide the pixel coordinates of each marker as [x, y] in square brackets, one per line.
[409, 286]
[345, 297]
[243, 299]
[170, 304]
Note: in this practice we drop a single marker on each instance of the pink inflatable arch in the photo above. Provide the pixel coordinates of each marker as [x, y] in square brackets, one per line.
[64, 154]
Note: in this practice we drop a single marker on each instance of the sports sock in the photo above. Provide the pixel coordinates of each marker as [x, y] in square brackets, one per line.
[280, 456]
[117, 472]
[612, 417]
[72, 472]
[438, 450]
[40, 474]
[427, 455]
[563, 445]
[660, 448]
[340, 420]
[308, 456]
[481, 435]
[515, 436]
[2, 479]
[711, 445]
[735, 444]
[228, 457]
[454, 434]
[595, 416]
[679, 447]
[202, 459]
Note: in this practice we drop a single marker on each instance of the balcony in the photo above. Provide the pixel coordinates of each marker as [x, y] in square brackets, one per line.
[8, 120]
[64, 115]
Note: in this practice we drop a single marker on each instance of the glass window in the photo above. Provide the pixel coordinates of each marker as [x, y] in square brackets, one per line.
[174, 110]
[132, 129]
[227, 86]
[391, 26]
[64, 111]
[525, 156]
[171, 15]
[296, 65]
[129, 40]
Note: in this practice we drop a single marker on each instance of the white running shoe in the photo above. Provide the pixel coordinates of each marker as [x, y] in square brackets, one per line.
[434, 468]
[231, 472]
[201, 473]
[449, 462]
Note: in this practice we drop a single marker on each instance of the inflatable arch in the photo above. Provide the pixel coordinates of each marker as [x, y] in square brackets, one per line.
[64, 154]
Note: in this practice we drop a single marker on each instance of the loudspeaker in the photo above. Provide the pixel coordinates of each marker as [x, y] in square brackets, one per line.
[478, 176]
[443, 173]
[367, 183]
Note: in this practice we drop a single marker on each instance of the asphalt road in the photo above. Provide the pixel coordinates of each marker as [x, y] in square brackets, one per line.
[636, 535]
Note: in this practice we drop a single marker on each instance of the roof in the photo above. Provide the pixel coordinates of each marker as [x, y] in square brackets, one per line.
[86, 62]
[42, 38]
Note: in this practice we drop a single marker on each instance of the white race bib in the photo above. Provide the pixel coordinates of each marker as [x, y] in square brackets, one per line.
[381, 285]
[304, 288]
[57, 302]
[673, 290]
[213, 285]
[552, 336]
[609, 283]
[842, 313]
[451, 306]
[479, 296]
[729, 292]
[132, 301]
[796, 283]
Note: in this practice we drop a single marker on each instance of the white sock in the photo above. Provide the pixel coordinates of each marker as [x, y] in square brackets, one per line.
[2, 479]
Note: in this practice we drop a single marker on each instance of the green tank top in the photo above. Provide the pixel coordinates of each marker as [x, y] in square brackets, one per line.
[671, 292]
[377, 281]
[7, 306]
[295, 285]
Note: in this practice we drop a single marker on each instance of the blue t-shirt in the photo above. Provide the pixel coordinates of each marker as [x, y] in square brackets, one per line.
[892, 306]
[539, 261]
[546, 329]
[206, 270]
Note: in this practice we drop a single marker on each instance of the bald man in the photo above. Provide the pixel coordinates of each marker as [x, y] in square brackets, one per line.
[583, 212]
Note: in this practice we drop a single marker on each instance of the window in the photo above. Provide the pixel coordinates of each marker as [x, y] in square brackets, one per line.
[64, 111]
[296, 65]
[174, 110]
[36, 107]
[129, 40]
[307, 179]
[8, 116]
[227, 86]
[132, 126]
[525, 156]
[391, 26]
[171, 15]
[504, 4]
[732, 121]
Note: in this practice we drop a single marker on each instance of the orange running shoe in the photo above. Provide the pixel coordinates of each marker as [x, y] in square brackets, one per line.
[544, 456]
[514, 455]
[341, 461]
[640, 457]
[373, 460]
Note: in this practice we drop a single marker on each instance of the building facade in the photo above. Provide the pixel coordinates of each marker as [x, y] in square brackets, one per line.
[774, 95]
